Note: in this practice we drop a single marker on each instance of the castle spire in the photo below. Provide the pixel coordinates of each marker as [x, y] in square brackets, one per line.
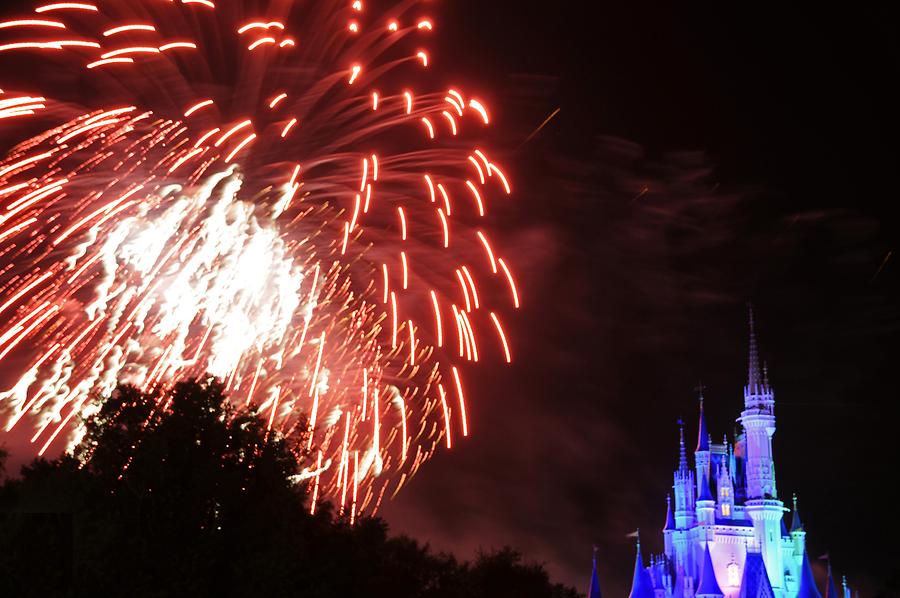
[758, 420]
[753, 374]
[682, 452]
[708, 586]
[641, 585]
[670, 519]
[702, 432]
[594, 591]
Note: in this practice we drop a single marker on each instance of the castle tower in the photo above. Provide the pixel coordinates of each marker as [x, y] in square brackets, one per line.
[758, 420]
[683, 487]
[762, 504]
[682, 556]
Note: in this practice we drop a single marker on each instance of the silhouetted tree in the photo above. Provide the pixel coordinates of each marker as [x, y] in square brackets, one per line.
[176, 494]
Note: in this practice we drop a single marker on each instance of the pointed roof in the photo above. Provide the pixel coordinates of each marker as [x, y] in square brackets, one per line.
[755, 582]
[670, 520]
[708, 585]
[702, 433]
[594, 591]
[705, 494]
[641, 585]
[753, 375]
[808, 587]
[830, 590]
[796, 523]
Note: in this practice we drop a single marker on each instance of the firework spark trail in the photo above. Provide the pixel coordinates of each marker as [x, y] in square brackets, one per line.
[230, 212]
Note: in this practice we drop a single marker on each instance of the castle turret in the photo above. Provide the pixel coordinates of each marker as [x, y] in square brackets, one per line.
[683, 487]
[762, 504]
[798, 534]
[758, 419]
[669, 529]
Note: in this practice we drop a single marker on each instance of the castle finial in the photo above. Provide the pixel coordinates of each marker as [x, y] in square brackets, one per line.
[753, 378]
[682, 452]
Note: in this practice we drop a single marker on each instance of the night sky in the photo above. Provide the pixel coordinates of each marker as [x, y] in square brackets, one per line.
[704, 155]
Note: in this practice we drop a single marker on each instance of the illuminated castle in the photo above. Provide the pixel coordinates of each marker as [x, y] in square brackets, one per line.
[725, 531]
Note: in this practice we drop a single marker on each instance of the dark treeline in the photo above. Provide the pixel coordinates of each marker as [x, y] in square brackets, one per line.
[180, 496]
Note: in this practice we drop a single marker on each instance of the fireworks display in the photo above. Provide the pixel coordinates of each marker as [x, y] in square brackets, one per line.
[275, 194]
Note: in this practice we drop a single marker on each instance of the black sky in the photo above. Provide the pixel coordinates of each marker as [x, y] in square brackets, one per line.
[705, 154]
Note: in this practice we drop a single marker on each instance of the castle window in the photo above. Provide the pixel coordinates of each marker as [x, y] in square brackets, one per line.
[734, 575]
[726, 510]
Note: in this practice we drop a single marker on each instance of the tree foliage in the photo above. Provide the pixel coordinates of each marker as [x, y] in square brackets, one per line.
[175, 494]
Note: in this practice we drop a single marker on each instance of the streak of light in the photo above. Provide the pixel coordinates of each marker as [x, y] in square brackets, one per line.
[502, 337]
[197, 106]
[462, 401]
[512, 283]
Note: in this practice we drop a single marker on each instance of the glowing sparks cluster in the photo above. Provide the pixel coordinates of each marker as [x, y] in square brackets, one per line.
[285, 227]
